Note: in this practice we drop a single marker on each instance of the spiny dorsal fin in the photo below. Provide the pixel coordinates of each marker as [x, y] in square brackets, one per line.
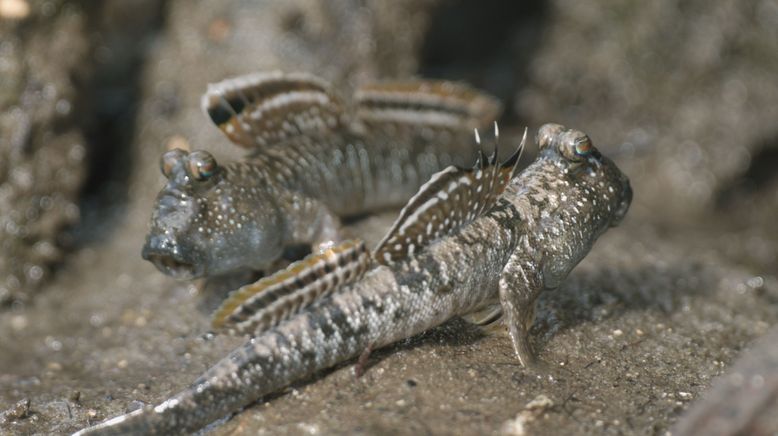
[425, 104]
[262, 109]
[265, 303]
[451, 199]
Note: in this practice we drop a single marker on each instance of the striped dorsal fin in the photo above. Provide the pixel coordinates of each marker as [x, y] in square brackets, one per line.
[451, 199]
[259, 306]
[425, 104]
[262, 109]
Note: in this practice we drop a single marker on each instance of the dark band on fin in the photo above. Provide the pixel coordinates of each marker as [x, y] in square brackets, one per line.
[261, 109]
[450, 200]
[262, 305]
[431, 104]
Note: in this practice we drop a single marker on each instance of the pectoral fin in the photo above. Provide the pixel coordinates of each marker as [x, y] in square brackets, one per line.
[520, 286]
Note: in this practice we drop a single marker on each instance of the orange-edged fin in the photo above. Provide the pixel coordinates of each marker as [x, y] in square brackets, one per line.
[261, 109]
[450, 200]
[259, 306]
[425, 104]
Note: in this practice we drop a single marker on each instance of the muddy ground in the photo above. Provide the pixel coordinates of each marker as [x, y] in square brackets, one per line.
[684, 96]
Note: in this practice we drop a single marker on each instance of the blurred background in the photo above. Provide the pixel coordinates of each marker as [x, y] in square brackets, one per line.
[683, 95]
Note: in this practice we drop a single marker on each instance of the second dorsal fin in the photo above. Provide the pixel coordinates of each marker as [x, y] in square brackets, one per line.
[451, 199]
[261, 305]
[261, 109]
[425, 104]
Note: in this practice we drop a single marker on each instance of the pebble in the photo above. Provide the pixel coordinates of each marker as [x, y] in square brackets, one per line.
[15, 412]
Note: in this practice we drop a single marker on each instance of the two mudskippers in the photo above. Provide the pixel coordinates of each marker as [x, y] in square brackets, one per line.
[470, 237]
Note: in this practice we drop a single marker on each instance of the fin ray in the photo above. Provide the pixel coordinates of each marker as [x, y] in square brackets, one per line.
[264, 304]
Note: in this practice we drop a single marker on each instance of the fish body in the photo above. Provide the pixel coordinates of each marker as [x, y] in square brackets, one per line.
[468, 238]
[312, 160]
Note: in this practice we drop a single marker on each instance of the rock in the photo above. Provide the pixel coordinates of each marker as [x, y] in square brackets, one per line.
[58, 64]
[42, 148]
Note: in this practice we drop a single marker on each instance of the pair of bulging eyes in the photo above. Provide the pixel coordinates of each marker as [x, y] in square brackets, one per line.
[199, 165]
[574, 145]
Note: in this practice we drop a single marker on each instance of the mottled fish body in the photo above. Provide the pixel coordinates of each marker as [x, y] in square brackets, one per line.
[313, 160]
[493, 237]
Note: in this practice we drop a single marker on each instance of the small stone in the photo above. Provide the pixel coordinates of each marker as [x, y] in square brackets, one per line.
[19, 410]
[540, 402]
[135, 405]
[755, 282]
[533, 409]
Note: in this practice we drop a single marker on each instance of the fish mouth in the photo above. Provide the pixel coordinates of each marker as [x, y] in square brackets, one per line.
[172, 267]
[626, 201]
[170, 263]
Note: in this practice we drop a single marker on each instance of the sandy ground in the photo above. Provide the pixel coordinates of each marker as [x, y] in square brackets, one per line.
[633, 339]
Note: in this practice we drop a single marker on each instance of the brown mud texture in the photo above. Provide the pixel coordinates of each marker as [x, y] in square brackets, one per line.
[683, 95]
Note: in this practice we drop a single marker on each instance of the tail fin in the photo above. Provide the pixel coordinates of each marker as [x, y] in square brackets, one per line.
[264, 304]
[451, 199]
[419, 105]
[261, 109]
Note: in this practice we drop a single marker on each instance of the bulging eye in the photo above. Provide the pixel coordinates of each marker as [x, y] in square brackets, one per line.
[548, 134]
[202, 165]
[583, 146]
[575, 146]
[169, 160]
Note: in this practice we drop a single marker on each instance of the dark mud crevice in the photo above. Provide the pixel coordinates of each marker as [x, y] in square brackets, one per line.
[112, 95]
[477, 42]
[756, 179]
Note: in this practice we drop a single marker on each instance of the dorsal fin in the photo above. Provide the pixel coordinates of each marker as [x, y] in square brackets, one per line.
[261, 305]
[261, 109]
[451, 199]
[425, 104]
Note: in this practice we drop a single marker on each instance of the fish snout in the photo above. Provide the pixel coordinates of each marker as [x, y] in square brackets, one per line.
[166, 254]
